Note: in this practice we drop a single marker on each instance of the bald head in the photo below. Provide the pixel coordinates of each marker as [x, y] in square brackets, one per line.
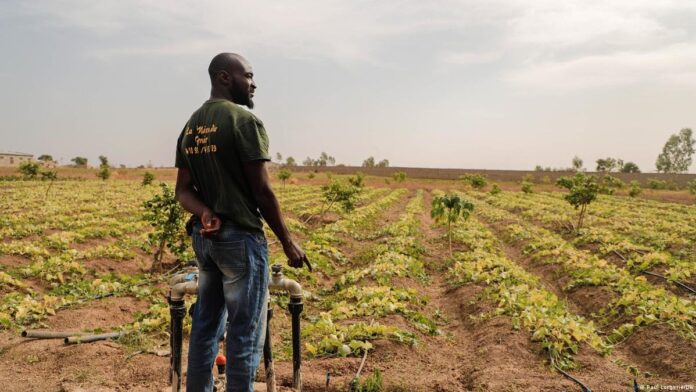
[231, 77]
[228, 62]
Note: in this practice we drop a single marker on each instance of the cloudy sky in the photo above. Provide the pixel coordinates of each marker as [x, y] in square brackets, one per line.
[497, 84]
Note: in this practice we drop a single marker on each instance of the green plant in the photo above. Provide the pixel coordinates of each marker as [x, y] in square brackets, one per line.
[311, 175]
[399, 176]
[477, 181]
[168, 218]
[609, 184]
[583, 190]
[373, 383]
[284, 174]
[79, 161]
[337, 192]
[691, 186]
[657, 184]
[29, 169]
[449, 208]
[676, 153]
[527, 187]
[148, 177]
[634, 189]
[495, 190]
[358, 180]
[104, 171]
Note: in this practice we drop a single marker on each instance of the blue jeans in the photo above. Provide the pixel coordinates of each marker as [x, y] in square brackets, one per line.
[232, 282]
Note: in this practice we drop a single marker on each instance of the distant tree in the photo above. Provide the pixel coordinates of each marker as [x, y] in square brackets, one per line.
[290, 161]
[104, 171]
[538, 168]
[29, 169]
[308, 162]
[369, 162]
[399, 176]
[583, 190]
[449, 208]
[577, 163]
[677, 153]
[279, 157]
[629, 167]
[79, 161]
[148, 177]
[45, 158]
[607, 165]
[326, 159]
[122, 166]
[283, 175]
[383, 163]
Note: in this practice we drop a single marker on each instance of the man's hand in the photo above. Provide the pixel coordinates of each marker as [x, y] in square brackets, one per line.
[296, 256]
[211, 223]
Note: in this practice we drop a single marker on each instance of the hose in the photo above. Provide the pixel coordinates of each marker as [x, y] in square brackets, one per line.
[575, 380]
[92, 338]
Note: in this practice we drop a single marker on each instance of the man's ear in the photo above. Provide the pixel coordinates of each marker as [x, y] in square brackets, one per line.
[224, 77]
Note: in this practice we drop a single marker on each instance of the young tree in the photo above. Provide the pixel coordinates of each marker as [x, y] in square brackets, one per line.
[283, 175]
[691, 186]
[449, 208]
[358, 180]
[104, 171]
[49, 175]
[29, 169]
[577, 163]
[369, 162]
[290, 161]
[148, 177]
[399, 176]
[495, 190]
[477, 181]
[337, 192]
[583, 190]
[79, 161]
[635, 189]
[168, 218]
[677, 153]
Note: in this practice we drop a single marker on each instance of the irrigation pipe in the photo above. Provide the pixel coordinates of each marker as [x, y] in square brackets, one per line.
[575, 380]
[36, 334]
[356, 380]
[92, 338]
[676, 282]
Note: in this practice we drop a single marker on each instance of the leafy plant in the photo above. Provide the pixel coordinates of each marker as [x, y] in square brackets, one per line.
[29, 169]
[677, 153]
[634, 189]
[477, 181]
[338, 192]
[168, 218]
[399, 176]
[527, 186]
[495, 190]
[691, 186]
[358, 180]
[449, 208]
[104, 170]
[583, 190]
[148, 177]
[284, 174]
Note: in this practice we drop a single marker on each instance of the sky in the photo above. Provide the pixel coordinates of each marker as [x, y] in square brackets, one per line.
[480, 84]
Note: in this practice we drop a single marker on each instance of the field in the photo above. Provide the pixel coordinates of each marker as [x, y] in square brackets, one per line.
[521, 299]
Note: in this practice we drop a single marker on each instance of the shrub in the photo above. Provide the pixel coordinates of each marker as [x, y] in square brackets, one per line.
[284, 174]
[148, 178]
[657, 184]
[358, 180]
[399, 176]
[635, 189]
[477, 181]
[495, 189]
[29, 169]
[527, 187]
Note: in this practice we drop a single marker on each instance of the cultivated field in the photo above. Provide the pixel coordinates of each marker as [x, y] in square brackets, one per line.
[521, 297]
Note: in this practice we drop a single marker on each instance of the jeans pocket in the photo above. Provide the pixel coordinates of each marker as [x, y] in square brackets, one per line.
[231, 258]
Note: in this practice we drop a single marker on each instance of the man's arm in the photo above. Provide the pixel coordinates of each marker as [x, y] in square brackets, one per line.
[257, 177]
[188, 197]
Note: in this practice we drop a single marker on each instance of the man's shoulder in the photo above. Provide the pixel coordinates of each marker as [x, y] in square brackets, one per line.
[239, 113]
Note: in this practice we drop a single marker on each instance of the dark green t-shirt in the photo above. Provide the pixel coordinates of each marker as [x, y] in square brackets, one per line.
[216, 140]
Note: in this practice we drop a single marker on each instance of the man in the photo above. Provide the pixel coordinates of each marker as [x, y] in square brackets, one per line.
[222, 180]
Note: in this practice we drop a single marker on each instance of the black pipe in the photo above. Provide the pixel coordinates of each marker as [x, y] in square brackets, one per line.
[295, 307]
[268, 352]
[177, 311]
